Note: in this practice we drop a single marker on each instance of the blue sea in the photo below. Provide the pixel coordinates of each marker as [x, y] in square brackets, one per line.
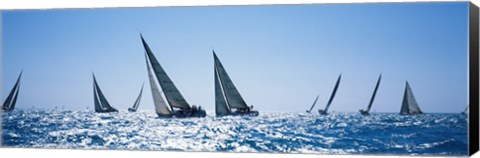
[337, 133]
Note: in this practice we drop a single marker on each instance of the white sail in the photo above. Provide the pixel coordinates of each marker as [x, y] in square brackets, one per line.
[221, 107]
[160, 105]
[137, 101]
[96, 101]
[409, 104]
[11, 100]
[233, 97]
[172, 94]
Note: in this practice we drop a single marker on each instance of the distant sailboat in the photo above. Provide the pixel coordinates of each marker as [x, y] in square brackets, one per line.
[11, 100]
[101, 103]
[137, 102]
[227, 96]
[324, 112]
[366, 112]
[409, 104]
[177, 105]
[465, 111]
[313, 105]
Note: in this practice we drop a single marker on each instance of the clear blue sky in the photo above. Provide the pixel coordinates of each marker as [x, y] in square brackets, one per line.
[280, 57]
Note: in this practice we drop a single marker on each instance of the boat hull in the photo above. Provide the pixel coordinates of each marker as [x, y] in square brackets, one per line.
[132, 110]
[364, 113]
[107, 111]
[251, 113]
[322, 112]
[420, 113]
[184, 114]
[6, 110]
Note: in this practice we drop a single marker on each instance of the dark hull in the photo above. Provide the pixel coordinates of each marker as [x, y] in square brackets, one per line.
[321, 112]
[132, 110]
[251, 113]
[107, 111]
[185, 114]
[6, 109]
[364, 113]
[421, 113]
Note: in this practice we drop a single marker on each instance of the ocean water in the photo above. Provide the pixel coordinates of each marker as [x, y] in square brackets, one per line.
[337, 133]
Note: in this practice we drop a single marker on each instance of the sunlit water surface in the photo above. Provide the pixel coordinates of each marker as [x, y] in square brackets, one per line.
[337, 133]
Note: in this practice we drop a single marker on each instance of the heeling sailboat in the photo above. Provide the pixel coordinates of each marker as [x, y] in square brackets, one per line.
[409, 104]
[324, 112]
[227, 96]
[465, 111]
[177, 105]
[11, 100]
[313, 105]
[101, 103]
[137, 102]
[366, 112]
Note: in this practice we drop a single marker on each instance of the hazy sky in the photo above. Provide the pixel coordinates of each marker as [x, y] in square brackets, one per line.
[279, 57]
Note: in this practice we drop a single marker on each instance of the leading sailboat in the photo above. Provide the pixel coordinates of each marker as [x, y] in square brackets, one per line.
[366, 112]
[101, 103]
[177, 105]
[11, 100]
[324, 112]
[227, 96]
[409, 104]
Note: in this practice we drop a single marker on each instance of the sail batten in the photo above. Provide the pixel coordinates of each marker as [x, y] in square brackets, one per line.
[233, 97]
[172, 94]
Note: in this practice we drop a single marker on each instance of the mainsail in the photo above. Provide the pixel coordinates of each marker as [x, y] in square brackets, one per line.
[172, 94]
[313, 105]
[409, 104]
[101, 103]
[161, 107]
[221, 107]
[137, 102]
[11, 100]
[333, 93]
[374, 93]
[232, 96]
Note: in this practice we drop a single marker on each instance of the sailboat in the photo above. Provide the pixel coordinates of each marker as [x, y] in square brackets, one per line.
[409, 104]
[137, 102]
[313, 105]
[324, 112]
[11, 100]
[465, 111]
[101, 103]
[366, 112]
[177, 105]
[227, 96]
